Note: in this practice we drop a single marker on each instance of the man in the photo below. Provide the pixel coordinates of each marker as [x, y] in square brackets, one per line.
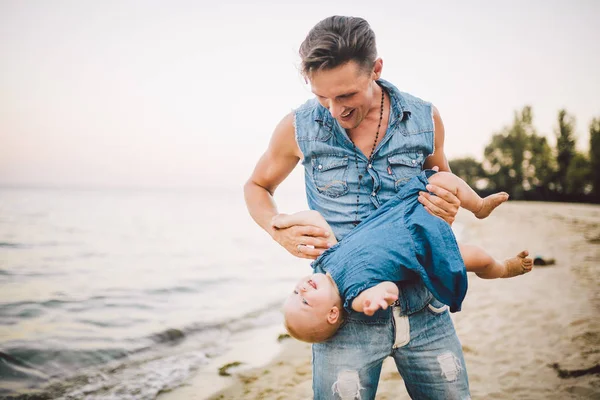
[354, 164]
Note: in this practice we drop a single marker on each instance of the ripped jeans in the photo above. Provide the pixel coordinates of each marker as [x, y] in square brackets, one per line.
[424, 346]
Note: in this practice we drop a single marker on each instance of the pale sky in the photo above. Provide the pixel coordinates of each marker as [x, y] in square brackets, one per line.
[187, 93]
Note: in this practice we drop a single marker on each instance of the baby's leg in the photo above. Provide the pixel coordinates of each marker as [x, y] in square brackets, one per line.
[309, 217]
[467, 196]
[485, 266]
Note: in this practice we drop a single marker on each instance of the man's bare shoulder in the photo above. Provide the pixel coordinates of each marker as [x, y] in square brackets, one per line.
[284, 136]
[437, 120]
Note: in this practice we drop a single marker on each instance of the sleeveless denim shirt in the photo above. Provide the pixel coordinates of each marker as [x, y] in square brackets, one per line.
[331, 176]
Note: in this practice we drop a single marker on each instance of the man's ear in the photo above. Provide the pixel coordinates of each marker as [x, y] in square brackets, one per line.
[333, 315]
[377, 68]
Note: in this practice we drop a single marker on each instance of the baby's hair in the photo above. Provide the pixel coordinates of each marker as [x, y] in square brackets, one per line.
[313, 334]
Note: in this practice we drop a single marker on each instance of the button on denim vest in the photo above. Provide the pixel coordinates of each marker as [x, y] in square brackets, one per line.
[331, 176]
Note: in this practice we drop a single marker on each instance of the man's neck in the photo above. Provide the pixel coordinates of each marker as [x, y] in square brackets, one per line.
[366, 129]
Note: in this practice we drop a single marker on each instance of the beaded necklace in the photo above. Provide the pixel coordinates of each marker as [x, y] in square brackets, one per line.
[370, 159]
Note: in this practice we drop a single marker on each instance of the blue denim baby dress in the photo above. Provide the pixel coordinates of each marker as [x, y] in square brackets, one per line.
[399, 241]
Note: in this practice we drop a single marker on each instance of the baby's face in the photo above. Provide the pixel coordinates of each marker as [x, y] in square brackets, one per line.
[313, 294]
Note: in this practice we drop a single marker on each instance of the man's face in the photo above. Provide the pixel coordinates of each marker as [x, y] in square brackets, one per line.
[346, 91]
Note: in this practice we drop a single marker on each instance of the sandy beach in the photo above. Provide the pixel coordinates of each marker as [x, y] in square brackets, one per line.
[532, 337]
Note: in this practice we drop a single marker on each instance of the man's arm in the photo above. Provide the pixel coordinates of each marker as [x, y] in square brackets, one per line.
[274, 166]
[444, 204]
[438, 158]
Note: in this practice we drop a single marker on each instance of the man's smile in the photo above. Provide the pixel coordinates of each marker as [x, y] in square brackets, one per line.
[347, 114]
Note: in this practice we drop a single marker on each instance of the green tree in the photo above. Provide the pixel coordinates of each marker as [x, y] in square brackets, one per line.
[509, 151]
[595, 155]
[565, 148]
[469, 169]
[539, 164]
[578, 175]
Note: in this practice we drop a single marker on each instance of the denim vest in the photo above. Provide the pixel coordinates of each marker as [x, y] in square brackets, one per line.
[331, 176]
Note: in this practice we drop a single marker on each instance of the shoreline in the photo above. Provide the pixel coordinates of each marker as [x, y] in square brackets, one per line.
[253, 349]
[535, 336]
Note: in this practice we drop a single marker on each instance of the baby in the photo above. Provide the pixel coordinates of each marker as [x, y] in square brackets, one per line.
[399, 241]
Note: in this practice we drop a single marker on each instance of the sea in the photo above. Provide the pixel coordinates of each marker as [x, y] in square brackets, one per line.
[123, 293]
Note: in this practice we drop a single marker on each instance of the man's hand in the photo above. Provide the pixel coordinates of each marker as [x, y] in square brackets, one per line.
[304, 241]
[444, 204]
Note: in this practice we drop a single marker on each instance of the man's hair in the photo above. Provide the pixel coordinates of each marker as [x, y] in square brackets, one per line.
[337, 40]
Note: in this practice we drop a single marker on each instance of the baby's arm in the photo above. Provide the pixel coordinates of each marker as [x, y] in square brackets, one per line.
[309, 217]
[469, 200]
[374, 298]
[485, 266]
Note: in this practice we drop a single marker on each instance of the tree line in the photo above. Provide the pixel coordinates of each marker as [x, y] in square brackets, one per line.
[521, 162]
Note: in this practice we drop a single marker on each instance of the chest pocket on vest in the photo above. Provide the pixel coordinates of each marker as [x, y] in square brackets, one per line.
[330, 174]
[404, 166]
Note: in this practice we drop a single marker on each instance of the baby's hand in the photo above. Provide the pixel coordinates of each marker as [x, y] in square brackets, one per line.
[378, 297]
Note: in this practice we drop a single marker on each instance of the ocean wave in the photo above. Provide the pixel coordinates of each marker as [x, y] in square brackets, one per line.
[16, 245]
[190, 287]
[12, 313]
[9, 245]
[266, 315]
[139, 370]
[141, 379]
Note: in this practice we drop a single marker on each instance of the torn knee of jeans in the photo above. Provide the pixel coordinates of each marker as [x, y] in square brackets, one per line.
[450, 366]
[347, 386]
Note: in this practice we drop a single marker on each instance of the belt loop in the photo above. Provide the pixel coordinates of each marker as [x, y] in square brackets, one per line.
[401, 302]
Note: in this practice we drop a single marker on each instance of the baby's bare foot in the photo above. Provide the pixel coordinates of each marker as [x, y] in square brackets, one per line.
[490, 203]
[279, 221]
[519, 265]
[308, 217]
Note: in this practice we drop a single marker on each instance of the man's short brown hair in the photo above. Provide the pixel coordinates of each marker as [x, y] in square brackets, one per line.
[337, 40]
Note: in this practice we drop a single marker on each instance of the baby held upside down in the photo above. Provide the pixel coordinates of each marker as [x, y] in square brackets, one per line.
[362, 270]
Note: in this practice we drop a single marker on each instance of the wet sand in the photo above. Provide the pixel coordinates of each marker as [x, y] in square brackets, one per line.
[532, 337]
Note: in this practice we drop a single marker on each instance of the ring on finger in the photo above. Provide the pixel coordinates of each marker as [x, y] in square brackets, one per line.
[299, 248]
